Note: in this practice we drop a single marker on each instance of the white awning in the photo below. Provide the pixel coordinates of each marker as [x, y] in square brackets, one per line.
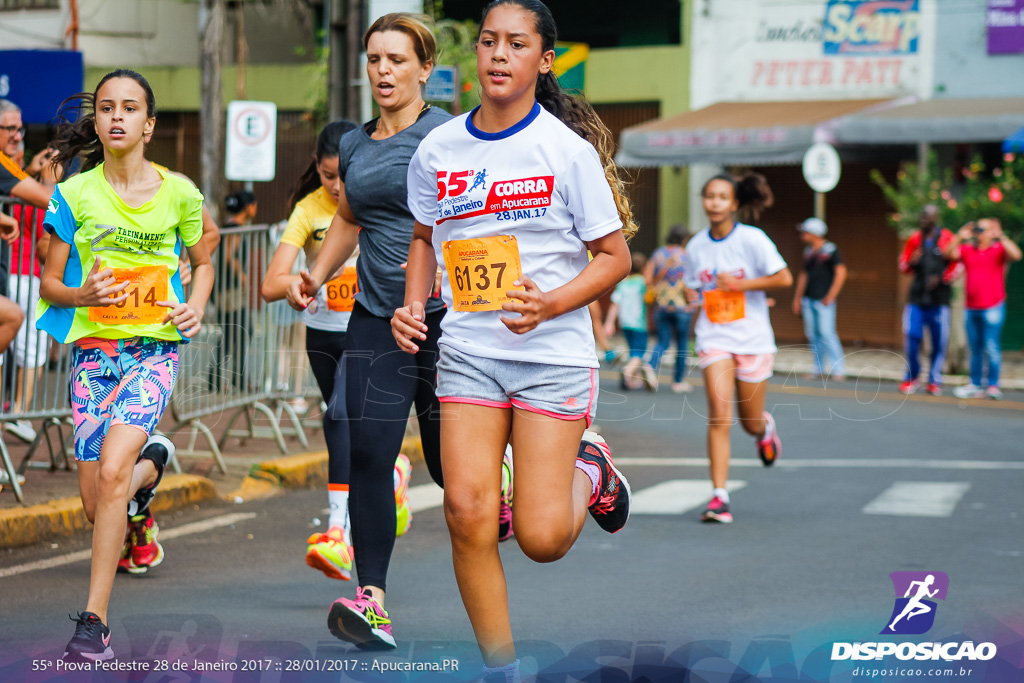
[936, 121]
[726, 133]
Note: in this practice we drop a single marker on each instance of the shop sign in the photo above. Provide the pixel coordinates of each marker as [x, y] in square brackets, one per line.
[1005, 21]
[872, 27]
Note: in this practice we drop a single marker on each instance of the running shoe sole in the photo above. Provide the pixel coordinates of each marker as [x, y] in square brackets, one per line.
[142, 568]
[352, 627]
[88, 656]
[316, 560]
[711, 516]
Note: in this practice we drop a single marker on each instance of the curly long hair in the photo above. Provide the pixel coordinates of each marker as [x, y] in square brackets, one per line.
[573, 110]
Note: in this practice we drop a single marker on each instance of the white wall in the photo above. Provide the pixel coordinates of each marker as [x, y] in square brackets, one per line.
[769, 50]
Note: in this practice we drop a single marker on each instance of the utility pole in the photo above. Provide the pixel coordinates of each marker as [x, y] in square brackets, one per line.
[211, 114]
[345, 27]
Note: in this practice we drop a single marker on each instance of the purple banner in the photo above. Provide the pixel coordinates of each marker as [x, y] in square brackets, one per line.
[1005, 21]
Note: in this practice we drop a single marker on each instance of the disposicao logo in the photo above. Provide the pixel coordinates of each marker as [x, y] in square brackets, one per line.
[913, 613]
[916, 592]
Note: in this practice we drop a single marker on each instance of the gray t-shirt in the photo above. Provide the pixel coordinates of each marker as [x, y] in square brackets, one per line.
[374, 173]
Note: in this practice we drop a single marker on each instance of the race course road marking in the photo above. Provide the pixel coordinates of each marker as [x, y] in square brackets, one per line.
[425, 497]
[675, 497]
[165, 535]
[918, 499]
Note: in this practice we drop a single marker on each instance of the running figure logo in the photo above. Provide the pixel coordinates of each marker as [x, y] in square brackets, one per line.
[914, 613]
[480, 180]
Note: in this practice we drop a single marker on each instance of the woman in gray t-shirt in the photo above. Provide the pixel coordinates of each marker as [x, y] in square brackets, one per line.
[380, 381]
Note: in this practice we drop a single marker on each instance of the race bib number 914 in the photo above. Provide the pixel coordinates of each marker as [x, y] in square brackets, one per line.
[146, 286]
[481, 271]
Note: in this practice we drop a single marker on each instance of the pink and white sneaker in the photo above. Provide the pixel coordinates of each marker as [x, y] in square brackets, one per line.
[770, 447]
[361, 621]
[717, 511]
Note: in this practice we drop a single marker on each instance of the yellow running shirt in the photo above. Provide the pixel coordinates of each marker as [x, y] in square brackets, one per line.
[306, 229]
[140, 244]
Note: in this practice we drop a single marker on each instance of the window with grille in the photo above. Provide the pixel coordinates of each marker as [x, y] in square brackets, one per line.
[7, 5]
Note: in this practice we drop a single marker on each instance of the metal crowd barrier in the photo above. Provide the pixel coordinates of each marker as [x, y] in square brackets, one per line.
[248, 358]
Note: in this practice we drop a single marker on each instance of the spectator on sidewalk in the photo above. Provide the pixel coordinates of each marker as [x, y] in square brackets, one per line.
[13, 180]
[815, 298]
[31, 345]
[985, 253]
[928, 303]
[234, 295]
[664, 274]
[629, 307]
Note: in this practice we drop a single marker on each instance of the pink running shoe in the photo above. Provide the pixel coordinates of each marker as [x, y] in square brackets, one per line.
[770, 447]
[361, 621]
[717, 511]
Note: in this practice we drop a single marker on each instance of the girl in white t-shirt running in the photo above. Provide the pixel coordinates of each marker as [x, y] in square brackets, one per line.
[508, 198]
[731, 265]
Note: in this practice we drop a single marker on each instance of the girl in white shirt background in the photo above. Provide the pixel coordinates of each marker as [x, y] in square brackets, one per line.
[731, 265]
[509, 198]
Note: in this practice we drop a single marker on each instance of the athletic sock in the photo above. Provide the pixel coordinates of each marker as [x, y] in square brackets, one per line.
[722, 494]
[768, 431]
[339, 512]
[503, 674]
[594, 473]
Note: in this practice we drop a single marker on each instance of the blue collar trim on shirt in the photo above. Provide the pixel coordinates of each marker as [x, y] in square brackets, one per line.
[508, 132]
[722, 239]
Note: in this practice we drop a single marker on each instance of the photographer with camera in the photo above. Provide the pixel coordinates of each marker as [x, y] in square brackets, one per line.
[985, 253]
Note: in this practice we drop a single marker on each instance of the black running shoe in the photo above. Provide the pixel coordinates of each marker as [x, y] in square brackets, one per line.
[610, 509]
[160, 450]
[91, 642]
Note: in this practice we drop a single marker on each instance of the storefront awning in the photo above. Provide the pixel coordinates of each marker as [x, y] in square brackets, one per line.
[1014, 142]
[729, 133]
[936, 121]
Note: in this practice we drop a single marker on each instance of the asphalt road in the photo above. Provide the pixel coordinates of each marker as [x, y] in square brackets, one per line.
[869, 483]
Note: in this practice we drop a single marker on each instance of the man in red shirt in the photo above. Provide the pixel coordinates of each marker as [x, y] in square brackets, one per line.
[927, 307]
[985, 253]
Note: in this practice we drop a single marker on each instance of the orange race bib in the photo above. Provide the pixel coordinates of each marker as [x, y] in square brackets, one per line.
[341, 291]
[147, 285]
[724, 307]
[480, 271]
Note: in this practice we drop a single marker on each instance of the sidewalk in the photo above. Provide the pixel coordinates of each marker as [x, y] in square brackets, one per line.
[866, 363]
[256, 468]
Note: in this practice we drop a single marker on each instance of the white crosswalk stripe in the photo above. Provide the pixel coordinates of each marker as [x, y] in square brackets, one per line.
[425, 497]
[918, 499]
[676, 496]
[680, 496]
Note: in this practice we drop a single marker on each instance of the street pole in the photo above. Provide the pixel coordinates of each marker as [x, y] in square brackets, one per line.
[211, 114]
[335, 55]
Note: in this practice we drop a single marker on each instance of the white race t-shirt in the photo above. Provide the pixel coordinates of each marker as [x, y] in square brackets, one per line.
[746, 253]
[537, 181]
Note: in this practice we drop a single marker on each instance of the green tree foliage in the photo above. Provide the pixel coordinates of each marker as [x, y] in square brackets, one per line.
[455, 47]
[996, 193]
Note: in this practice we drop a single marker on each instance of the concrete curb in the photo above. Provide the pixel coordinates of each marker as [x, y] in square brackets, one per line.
[64, 517]
[301, 471]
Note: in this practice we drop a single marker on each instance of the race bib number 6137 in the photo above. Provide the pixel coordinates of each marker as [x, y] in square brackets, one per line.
[481, 271]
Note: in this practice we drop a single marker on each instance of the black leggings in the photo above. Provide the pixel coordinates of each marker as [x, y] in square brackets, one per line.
[324, 350]
[381, 383]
